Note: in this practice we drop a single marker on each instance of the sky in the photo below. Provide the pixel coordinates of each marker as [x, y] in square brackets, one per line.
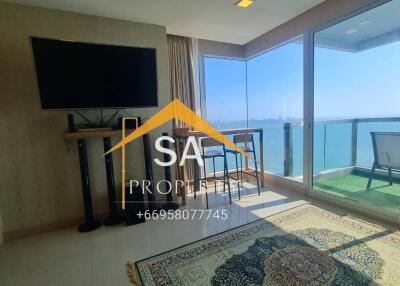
[347, 85]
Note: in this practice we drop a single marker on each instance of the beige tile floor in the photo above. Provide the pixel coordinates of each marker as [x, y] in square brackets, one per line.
[67, 257]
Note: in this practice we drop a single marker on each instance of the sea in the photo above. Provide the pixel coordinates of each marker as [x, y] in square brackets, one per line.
[332, 144]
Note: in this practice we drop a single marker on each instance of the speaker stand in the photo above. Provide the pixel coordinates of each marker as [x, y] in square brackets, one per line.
[170, 205]
[114, 217]
[90, 223]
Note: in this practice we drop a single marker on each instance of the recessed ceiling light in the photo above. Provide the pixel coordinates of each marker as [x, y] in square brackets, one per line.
[244, 3]
[365, 23]
[351, 31]
[368, 36]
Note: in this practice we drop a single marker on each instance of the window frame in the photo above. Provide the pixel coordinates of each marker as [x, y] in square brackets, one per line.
[308, 96]
[203, 99]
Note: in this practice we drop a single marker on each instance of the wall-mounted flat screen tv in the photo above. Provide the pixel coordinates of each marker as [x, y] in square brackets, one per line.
[73, 75]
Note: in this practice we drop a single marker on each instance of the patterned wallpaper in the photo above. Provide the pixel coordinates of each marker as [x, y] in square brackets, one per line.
[39, 171]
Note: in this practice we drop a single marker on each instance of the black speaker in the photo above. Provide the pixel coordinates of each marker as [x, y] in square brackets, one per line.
[148, 165]
[71, 124]
[134, 207]
[169, 205]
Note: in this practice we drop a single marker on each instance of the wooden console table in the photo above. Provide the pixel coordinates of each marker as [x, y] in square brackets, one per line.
[87, 134]
[181, 138]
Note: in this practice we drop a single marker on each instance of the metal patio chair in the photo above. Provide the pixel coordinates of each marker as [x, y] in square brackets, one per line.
[386, 146]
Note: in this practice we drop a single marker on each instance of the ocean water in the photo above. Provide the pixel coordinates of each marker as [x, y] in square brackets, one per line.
[332, 145]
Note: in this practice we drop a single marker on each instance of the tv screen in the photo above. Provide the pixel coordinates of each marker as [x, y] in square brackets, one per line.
[80, 75]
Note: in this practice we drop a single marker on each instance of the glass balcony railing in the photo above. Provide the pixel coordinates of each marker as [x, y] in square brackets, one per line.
[337, 143]
[343, 159]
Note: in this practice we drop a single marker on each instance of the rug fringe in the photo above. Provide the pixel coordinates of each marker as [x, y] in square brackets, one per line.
[133, 274]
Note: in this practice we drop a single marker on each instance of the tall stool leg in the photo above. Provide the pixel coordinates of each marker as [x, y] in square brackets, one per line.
[224, 173]
[241, 168]
[205, 174]
[237, 174]
[226, 176]
[255, 164]
[195, 182]
[215, 177]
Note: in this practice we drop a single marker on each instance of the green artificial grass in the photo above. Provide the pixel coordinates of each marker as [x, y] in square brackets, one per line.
[353, 186]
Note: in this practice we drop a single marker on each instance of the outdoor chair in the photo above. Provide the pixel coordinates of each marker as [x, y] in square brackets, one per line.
[386, 146]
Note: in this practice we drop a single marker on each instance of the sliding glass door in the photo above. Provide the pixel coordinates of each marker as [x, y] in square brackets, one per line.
[356, 133]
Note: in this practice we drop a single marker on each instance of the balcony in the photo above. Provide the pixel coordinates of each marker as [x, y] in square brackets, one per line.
[343, 157]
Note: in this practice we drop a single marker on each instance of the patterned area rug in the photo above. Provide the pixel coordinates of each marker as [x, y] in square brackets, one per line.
[303, 246]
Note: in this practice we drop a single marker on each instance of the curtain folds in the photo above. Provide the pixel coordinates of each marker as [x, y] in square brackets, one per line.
[1, 230]
[183, 70]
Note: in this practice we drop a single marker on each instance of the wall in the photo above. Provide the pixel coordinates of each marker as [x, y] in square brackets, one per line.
[39, 171]
[1, 230]
[220, 49]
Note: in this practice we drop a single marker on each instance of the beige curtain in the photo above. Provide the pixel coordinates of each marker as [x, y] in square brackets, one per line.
[1, 230]
[183, 70]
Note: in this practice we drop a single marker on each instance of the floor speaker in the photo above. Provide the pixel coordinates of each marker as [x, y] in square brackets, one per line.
[134, 207]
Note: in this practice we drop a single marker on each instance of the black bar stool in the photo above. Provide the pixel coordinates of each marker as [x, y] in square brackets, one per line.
[208, 142]
[244, 139]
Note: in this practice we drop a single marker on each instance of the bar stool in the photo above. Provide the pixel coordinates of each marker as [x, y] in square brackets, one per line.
[208, 142]
[244, 139]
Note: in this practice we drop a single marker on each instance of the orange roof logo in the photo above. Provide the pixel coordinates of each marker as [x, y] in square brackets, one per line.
[174, 110]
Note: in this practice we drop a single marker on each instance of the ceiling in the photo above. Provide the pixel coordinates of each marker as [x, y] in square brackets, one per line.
[218, 20]
[370, 29]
